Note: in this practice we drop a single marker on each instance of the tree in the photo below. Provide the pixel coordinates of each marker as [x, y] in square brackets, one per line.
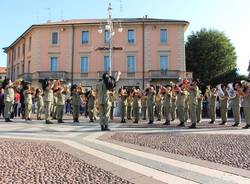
[209, 55]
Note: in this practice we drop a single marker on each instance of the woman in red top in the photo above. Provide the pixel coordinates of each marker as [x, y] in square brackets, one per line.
[17, 104]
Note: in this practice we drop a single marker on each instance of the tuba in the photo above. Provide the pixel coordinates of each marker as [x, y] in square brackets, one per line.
[66, 89]
[219, 90]
[80, 89]
[17, 83]
[230, 90]
[137, 92]
[245, 83]
[56, 85]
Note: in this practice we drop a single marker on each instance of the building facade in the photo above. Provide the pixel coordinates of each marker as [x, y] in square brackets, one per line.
[3, 73]
[248, 69]
[146, 51]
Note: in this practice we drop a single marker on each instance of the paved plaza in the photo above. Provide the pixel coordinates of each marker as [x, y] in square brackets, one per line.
[32, 152]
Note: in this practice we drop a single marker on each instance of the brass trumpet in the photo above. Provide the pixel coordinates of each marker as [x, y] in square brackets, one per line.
[137, 92]
[80, 89]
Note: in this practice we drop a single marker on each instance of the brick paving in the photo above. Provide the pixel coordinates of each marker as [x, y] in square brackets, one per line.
[231, 150]
[38, 162]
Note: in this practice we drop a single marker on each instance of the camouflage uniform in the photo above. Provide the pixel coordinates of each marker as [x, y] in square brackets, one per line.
[8, 102]
[144, 106]
[104, 104]
[48, 100]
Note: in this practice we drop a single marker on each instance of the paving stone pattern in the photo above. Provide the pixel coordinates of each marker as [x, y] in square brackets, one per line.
[157, 124]
[231, 150]
[37, 162]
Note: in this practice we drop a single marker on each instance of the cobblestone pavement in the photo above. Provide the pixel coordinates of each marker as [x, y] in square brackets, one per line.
[33, 162]
[173, 124]
[232, 150]
[28, 154]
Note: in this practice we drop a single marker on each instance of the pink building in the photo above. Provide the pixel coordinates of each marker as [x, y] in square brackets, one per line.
[3, 72]
[146, 51]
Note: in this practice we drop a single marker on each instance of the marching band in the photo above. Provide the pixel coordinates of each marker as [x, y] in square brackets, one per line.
[183, 101]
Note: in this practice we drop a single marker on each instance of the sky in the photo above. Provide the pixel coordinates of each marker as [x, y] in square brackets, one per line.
[229, 16]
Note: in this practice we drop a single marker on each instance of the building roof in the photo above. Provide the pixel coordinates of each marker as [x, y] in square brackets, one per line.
[3, 70]
[99, 21]
[122, 20]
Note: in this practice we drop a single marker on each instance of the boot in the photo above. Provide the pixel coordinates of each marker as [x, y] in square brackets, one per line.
[193, 126]
[236, 125]
[182, 124]
[246, 127]
[150, 122]
[223, 123]
[166, 123]
[102, 128]
[7, 120]
[211, 122]
[76, 120]
[48, 122]
[60, 121]
[106, 128]
[123, 121]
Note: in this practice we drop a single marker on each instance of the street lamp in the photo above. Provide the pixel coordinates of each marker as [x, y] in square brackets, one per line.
[110, 28]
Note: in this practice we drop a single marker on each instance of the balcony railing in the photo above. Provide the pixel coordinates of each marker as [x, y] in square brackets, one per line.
[131, 74]
[84, 75]
[169, 74]
[163, 74]
[52, 75]
[26, 76]
[100, 73]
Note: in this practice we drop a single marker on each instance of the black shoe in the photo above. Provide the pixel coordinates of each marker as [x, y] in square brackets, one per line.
[235, 125]
[166, 123]
[193, 126]
[106, 128]
[150, 122]
[144, 119]
[60, 121]
[198, 121]
[211, 122]
[182, 124]
[29, 119]
[102, 128]
[172, 119]
[135, 122]
[246, 127]
[8, 120]
[158, 119]
[223, 123]
[48, 122]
